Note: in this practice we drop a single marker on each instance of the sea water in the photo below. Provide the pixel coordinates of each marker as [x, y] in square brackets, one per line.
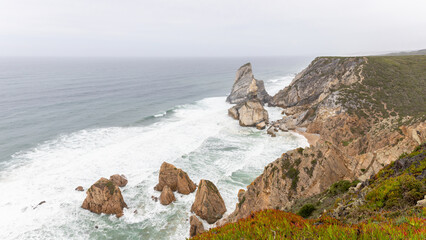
[66, 122]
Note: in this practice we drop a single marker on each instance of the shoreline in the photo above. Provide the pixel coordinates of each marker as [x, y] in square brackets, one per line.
[311, 137]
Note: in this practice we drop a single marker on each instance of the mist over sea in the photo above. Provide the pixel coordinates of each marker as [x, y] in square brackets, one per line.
[66, 122]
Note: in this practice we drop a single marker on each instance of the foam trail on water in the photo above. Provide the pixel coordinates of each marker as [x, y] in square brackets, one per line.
[199, 138]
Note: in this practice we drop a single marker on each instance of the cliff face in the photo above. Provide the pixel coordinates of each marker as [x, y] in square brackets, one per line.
[241, 86]
[367, 111]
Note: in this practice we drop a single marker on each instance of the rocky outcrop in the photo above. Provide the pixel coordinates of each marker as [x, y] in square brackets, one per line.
[241, 86]
[119, 180]
[104, 197]
[250, 113]
[167, 196]
[208, 204]
[175, 178]
[196, 226]
[337, 100]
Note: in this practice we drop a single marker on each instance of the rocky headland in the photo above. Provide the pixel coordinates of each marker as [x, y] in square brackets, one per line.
[364, 112]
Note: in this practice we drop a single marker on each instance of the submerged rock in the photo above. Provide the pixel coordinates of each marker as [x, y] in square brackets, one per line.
[104, 197]
[119, 180]
[241, 86]
[167, 196]
[208, 204]
[175, 178]
[196, 226]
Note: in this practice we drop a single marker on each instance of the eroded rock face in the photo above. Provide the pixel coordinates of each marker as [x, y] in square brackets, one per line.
[196, 226]
[119, 180]
[167, 196]
[252, 113]
[241, 86]
[175, 178]
[208, 204]
[104, 197]
[351, 145]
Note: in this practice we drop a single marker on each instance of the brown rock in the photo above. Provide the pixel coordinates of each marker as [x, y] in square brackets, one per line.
[175, 178]
[167, 196]
[261, 125]
[240, 194]
[251, 113]
[233, 112]
[119, 180]
[208, 203]
[79, 188]
[196, 226]
[104, 197]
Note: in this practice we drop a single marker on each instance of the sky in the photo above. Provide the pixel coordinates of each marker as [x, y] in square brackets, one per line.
[209, 28]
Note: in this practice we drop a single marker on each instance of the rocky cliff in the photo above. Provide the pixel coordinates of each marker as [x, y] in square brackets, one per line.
[241, 86]
[366, 110]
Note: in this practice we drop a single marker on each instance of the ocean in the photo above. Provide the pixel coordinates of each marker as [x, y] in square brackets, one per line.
[66, 122]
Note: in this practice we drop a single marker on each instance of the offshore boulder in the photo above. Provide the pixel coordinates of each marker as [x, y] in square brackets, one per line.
[197, 226]
[119, 180]
[167, 196]
[104, 197]
[208, 204]
[175, 178]
[243, 79]
[251, 112]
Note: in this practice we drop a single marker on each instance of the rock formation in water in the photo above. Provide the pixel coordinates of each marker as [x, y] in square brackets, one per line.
[196, 226]
[175, 178]
[208, 204]
[242, 83]
[104, 197]
[119, 180]
[167, 196]
[366, 110]
[79, 188]
[250, 112]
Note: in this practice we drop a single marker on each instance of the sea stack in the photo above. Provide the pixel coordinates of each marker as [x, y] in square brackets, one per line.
[104, 197]
[175, 178]
[243, 79]
[208, 204]
[250, 113]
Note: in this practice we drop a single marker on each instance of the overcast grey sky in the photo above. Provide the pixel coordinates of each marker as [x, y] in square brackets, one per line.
[209, 27]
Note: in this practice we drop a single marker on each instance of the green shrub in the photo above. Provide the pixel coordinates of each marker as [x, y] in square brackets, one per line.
[306, 211]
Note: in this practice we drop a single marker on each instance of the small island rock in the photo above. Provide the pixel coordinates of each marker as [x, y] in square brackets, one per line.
[119, 180]
[196, 226]
[208, 204]
[104, 197]
[175, 178]
[79, 188]
[167, 196]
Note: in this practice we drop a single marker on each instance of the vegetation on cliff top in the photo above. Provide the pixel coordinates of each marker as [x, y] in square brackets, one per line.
[392, 86]
[385, 209]
[276, 224]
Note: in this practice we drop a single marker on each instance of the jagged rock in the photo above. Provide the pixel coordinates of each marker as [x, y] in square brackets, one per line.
[79, 188]
[271, 131]
[167, 196]
[241, 86]
[261, 125]
[104, 197]
[251, 113]
[119, 180]
[208, 203]
[196, 226]
[175, 178]
[233, 112]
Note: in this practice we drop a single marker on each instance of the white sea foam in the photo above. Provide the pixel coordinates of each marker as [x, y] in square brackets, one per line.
[199, 138]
